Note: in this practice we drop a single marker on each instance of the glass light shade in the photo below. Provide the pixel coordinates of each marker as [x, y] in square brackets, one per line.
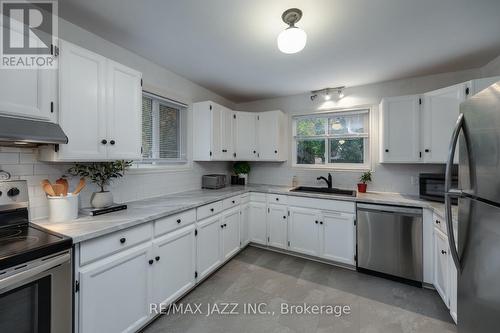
[292, 40]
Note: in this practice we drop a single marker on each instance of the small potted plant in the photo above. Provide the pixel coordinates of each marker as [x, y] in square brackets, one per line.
[365, 178]
[101, 174]
[241, 169]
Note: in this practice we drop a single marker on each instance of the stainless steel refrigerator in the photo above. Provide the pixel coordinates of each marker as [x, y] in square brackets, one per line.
[476, 252]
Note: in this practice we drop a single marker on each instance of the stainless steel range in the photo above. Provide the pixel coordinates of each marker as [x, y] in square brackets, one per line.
[35, 269]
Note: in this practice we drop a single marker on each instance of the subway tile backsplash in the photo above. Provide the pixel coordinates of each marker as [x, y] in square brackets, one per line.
[22, 163]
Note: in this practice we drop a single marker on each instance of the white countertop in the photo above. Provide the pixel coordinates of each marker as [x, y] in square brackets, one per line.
[87, 227]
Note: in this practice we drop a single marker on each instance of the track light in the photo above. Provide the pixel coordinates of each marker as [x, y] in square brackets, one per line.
[327, 93]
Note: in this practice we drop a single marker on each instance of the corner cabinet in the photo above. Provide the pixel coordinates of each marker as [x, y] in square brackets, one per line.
[99, 108]
[222, 134]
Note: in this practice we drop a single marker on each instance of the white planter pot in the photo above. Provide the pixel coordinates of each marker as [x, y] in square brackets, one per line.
[101, 199]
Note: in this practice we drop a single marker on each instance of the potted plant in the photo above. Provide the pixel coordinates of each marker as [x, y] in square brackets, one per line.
[241, 169]
[365, 178]
[101, 174]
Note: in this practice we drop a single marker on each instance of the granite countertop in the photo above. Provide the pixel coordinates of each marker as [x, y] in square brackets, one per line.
[87, 227]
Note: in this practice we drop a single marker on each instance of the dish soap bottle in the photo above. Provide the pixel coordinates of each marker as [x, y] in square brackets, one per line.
[295, 181]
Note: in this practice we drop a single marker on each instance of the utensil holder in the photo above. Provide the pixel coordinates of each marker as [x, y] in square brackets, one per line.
[63, 209]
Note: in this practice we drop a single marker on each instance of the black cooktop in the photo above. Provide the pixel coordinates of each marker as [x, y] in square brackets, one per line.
[22, 243]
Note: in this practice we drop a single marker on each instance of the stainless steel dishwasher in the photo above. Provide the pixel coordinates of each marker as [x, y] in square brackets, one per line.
[389, 242]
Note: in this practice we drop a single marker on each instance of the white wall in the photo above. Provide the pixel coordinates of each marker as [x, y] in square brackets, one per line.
[22, 163]
[394, 178]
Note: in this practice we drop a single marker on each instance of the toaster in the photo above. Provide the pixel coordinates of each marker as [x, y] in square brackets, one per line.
[213, 181]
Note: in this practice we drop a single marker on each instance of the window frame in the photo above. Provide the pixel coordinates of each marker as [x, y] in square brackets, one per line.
[367, 145]
[182, 134]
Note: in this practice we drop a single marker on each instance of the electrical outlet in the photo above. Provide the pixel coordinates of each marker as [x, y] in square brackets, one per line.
[414, 180]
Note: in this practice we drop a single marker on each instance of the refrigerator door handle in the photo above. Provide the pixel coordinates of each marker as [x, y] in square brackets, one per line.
[449, 193]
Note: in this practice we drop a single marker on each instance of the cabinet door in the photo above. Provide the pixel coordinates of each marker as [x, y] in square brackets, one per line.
[209, 245]
[268, 134]
[337, 237]
[441, 109]
[246, 136]
[174, 266]
[400, 129]
[231, 232]
[217, 132]
[227, 144]
[441, 266]
[123, 112]
[82, 103]
[245, 215]
[277, 222]
[27, 93]
[257, 224]
[114, 293]
[303, 230]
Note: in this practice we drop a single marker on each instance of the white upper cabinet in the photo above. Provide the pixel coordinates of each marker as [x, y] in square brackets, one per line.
[440, 112]
[245, 136]
[124, 101]
[99, 108]
[271, 136]
[400, 128]
[224, 135]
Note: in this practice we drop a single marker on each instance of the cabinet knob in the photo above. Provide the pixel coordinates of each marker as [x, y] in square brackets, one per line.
[212, 210]
[225, 225]
[104, 141]
[427, 150]
[222, 226]
[255, 152]
[443, 252]
[316, 222]
[275, 151]
[151, 261]
[320, 222]
[284, 217]
[438, 222]
[233, 201]
[157, 258]
[123, 240]
[387, 150]
[112, 142]
[277, 199]
[178, 220]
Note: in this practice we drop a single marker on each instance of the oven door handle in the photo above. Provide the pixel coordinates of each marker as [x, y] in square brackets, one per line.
[31, 272]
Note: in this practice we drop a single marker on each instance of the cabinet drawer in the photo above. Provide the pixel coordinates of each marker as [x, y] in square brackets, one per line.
[167, 224]
[106, 245]
[209, 210]
[323, 204]
[230, 202]
[440, 223]
[257, 197]
[245, 198]
[277, 199]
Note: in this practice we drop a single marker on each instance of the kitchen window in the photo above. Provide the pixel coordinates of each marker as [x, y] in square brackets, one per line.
[334, 140]
[163, 130]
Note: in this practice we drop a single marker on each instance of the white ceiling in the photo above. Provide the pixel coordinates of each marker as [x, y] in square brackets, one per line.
[229, 46]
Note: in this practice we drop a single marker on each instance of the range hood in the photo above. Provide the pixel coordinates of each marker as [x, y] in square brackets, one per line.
[29, 133]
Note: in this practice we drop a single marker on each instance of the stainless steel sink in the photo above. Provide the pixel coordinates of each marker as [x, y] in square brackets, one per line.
[325, 190]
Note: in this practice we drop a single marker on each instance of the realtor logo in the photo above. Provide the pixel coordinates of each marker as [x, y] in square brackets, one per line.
[28, 33]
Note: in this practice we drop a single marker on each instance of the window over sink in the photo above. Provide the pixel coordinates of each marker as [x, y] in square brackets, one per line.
[163, 130]
[337, 139]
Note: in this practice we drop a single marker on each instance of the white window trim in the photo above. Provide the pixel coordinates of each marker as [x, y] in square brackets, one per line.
[335, 166]
[165, 165]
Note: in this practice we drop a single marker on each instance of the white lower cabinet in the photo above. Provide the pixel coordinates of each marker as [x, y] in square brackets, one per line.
[303, 230]
[174, 265]
[337, 237]
[108, 285]
[244, 221]
[277, 224]
[230, 233]
[258, 224]
[441, 265]
[208, 245]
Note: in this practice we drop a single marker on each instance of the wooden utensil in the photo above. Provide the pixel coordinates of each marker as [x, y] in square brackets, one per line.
[47, 187]
[58, 189]
[45, 181]
[64, 183]
[80, 186]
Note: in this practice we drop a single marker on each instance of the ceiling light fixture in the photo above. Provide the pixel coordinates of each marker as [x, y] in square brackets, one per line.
[292, 39]
[326, 92]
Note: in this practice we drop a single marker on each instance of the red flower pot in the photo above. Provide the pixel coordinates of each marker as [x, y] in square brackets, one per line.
[362, 188]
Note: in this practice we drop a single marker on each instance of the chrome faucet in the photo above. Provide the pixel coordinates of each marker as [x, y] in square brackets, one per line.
[328, 181]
